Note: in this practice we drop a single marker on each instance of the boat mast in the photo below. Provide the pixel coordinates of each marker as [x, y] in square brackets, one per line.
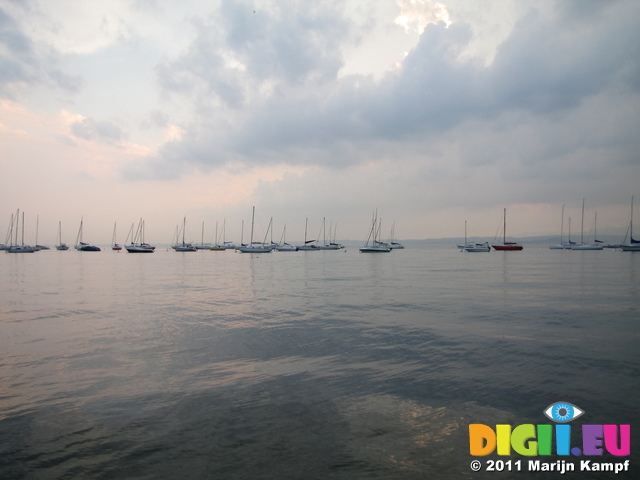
[17, 222]
[504, 227]
[306, 222]
[582, 225]
[253, 213]
[631, 223]
[562, 225]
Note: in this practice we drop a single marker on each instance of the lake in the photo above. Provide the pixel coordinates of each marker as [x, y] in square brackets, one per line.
[309, 365]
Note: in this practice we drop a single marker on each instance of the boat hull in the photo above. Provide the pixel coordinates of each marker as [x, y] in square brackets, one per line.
[286, 248]
[20, 249]
[630, 248]
[375, 249]
[254, 249]
[140, 249]
[477, 248]
[507, 247]
[587, 247]
[88, 248]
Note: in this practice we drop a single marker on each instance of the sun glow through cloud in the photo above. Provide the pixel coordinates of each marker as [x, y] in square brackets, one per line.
[417, 14]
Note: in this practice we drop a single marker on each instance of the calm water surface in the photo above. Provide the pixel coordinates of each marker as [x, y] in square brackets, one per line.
[304, 365]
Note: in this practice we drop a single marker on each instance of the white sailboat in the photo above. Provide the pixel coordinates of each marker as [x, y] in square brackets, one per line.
[474, 247]
[81, 245]
[60, 245]
[39, 247]
[224, 245]
[392, 243]
[15, 246]
[283, 246]
[373, 244]
[138, 244]
[202, 245]
[183, 246]
[309, 245]
[114, 244]
[633, 245]
[332, 245]
[563, 245]
[596, 245]
[254, 247]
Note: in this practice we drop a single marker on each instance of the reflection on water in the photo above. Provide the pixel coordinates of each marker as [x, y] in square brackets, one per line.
[305, 365]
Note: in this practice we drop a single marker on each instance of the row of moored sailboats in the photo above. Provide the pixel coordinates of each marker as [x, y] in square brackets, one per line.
[632, 245]
[135, 242]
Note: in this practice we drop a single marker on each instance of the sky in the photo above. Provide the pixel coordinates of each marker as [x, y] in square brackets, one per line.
[433, 113]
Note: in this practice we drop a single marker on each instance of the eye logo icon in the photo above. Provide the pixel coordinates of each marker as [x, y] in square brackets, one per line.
[563, 412]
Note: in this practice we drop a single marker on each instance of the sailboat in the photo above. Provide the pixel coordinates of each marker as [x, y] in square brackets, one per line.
[14, 246]
[373, 244]
[633, 245]
[506, 246]
[596, 245]
[39, 247]
[255, 247]
[563, 245]
[114, 244]
[331, 245]
[183, 246]
[308, 244]
[224, 245]
[217, 247]
[138, 245]
[202, 245]
[283, 246]
[81, 245]
[393, 244]
[61, 245]
[471, 246]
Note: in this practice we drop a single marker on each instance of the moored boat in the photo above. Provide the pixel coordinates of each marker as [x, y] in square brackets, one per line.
[114, 244]
[138, 244]
[183, 246]
[81, 245]
[14, 246]
[562, 245]
[596, 245]
[60, 245]
[633, 245]
[506, 246]
[478, 247]
[255, 247]
[373, 245]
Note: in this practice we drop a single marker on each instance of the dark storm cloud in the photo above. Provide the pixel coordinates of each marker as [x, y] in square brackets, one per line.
[548, 66]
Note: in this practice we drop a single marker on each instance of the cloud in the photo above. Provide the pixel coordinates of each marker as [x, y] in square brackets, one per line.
[26, 62]
[267, 88]
[104, 131]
